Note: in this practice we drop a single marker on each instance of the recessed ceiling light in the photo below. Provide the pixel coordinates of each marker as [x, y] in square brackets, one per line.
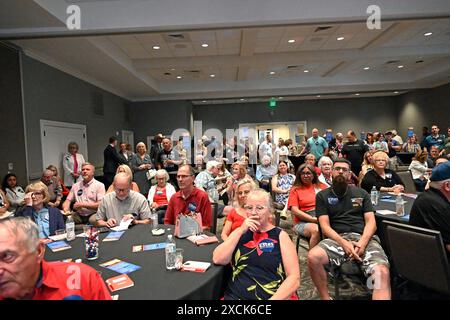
[305, 71]
[212, 75]
[400, 66]
[173, 69]
[204, 101]
[179, 77]
[395, 92]
[366, 68]
[280, 98]
[291, 40]
[156, 47]
[205, 45]
[428, 34]
[318, 96]
[356, 94]
[272, 72]
[340, 38]
[242, 99]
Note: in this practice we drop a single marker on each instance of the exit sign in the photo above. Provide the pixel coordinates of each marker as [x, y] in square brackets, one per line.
[272, 103]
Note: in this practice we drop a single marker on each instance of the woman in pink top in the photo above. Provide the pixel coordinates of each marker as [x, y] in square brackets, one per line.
[237, 215]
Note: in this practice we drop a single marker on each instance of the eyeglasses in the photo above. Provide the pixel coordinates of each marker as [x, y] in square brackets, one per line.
[341, 169]
[37, 193]
[258, 208]
[306, 173]
[183, 176]
[241, 193]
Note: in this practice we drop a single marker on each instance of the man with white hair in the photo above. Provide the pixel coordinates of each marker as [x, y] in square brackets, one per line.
[24, 274]
[264, 173]
[431, 209]
[123, 204]
[396, 137]
[205, 180]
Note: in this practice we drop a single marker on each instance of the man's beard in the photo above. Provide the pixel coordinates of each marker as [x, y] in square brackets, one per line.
[340, 186]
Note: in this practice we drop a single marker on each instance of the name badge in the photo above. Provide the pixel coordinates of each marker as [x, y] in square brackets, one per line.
[159, 193]
[357, 202]
[79, 192]
[333, 201]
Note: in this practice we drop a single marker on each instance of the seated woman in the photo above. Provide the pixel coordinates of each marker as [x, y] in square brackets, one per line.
[126, 169]
[325, 165]
[245, 161]
[311, 160]
[380, 143]
[221, 182]
[238, 214]
[264, 172]
[4, 206]
[48, 219]
[265, 264]
[302, 203]
[385, 180]
[419, 170]
[366, 165]
[238, 172]
[14, 193]
[64, 190]
[160, 194]
[281, 185]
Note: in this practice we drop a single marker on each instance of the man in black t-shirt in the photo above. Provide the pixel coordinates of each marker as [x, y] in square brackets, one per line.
[353, 151]
[431, 209]
[347, 221]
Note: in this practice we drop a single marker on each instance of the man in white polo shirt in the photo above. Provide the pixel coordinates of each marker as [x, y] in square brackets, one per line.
[122, 204]
[87, 195]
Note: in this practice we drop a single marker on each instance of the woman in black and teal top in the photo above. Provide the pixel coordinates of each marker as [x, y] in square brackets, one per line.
[263, 257]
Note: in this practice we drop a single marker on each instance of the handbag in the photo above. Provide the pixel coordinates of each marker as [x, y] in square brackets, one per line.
[188, 225]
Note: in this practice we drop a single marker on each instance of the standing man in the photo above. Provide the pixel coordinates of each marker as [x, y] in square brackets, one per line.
[24, 274]
[166, 160]
[316, 145]
[434, 139]
[347, 220]
[188, 199]
[87, 195]
[431, 209]
[125, 153]
[354, 151]
[266, 148]
[156, 148]
[112, 159]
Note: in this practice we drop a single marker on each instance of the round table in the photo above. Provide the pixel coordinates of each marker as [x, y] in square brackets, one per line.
[152, 281]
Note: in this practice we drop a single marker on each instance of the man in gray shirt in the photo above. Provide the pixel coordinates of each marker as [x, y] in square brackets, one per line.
[123, 204]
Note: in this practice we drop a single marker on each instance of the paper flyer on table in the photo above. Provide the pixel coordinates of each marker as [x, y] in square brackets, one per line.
[123, 225]
[120, 266]
[113, 236]
[147, 247]
[58, 246]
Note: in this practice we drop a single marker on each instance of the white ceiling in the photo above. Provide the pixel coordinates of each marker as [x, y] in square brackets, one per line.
[248, 54]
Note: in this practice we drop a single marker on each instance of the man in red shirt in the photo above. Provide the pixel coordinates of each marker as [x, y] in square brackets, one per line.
[188, 199]
[25, 275]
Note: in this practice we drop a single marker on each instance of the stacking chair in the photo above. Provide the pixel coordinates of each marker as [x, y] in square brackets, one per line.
[418, 255]
[215, 210]
[406, 176]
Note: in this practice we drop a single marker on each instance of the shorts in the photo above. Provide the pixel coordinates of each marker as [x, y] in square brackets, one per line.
[300, 228]
[373, 255]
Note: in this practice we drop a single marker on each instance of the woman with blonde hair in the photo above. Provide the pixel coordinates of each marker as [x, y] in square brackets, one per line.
[126, 169]
[238, 214]
[72, 162]
[384, 180]
[47, 218]
[419, 170]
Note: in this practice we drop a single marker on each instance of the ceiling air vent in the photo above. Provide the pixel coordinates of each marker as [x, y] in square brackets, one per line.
[292, 67]
[323, 28]
[392, 61]
[177, 37]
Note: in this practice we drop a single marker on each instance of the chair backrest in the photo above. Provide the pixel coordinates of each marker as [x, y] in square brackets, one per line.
[406, 176]
[418, 255]
[215, 210]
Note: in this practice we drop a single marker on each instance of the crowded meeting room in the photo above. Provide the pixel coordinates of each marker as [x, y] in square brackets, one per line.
[225, 150]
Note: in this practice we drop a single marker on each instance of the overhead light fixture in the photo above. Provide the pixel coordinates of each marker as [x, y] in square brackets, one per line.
[179, 77]
[205, 45]
[242, 99]
[395, 92]
[156, 47]
[318, 96]
[340, 38]
[291, 40]
[272, 72]
[280, 98]
[366, 68]
[356, 94]
[204, 101]
[212, 75]
[305, 71]
[428, 34]
[400, 66]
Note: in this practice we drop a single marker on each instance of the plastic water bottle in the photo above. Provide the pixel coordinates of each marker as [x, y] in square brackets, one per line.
[399, 206]
[374, 196]
[70, 229]
[171, 248]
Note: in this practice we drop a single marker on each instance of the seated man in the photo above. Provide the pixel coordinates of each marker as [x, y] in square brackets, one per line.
[54, 188]
[122, 204]
[24, 274]
[188, 199]
[87, 195]
[431, 209]
[347, 220]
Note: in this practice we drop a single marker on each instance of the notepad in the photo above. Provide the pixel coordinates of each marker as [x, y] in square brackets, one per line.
[123, 225]
[58, 246]
[202, 239]
[119, 282]
[147, 247]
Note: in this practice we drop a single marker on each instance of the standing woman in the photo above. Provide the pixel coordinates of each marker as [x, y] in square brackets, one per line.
[14, 193]
[72, 162]
[140, 164]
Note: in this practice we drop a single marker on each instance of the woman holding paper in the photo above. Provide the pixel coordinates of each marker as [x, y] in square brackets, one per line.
[263, 257]
[237, 215]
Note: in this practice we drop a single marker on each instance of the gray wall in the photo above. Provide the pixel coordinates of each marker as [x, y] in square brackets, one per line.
[12, 142]
[152, 117]
[359, 114]
[424, 108]
[54, 95]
